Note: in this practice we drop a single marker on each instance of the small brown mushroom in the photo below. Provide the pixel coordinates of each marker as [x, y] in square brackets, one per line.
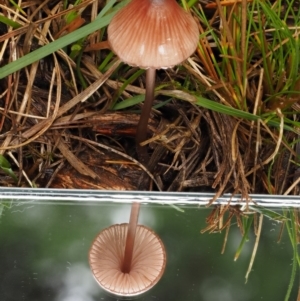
[106, 259]
[152, 34]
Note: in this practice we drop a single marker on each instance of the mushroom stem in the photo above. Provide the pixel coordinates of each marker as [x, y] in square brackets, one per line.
[141, 133]
[134, 215]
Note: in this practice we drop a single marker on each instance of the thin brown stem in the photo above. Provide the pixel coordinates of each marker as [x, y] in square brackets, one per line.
[141, 133]
[134, 215]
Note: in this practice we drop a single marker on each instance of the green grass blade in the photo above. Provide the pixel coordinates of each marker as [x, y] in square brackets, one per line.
[248, 222]
[54, 46]
[129, 102]
[292, 229]
[107, 7]
[5, 166]
[270, 213]
[218, 107]
[18, 7]
[9, 22]
[42, 52]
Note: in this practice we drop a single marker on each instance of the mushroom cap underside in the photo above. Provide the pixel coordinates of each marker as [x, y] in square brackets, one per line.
[106, 260]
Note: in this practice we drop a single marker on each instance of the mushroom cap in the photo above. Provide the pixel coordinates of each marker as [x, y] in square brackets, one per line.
[106, 260]
[153, 34]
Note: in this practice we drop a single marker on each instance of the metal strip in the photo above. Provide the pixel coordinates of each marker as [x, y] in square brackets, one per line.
[95, 196]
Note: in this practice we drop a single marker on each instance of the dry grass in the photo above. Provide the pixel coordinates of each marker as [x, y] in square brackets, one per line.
[58, 128]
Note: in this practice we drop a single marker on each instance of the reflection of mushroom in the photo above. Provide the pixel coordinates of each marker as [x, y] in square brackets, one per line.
[135, 272]
[152, 34]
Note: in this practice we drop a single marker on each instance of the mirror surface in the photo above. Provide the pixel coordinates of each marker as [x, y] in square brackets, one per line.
[45, 245]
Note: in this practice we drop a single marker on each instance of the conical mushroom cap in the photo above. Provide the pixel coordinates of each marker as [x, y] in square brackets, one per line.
[147, 266]
[153, 34]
